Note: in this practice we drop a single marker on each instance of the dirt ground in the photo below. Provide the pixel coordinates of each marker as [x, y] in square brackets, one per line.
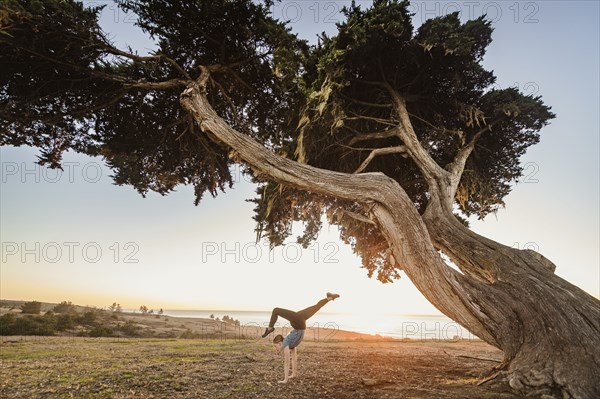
[177, 368]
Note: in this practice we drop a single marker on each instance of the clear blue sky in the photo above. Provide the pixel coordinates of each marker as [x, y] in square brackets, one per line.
[98, 243]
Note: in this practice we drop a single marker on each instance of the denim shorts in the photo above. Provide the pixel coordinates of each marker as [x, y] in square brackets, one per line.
[293, 339]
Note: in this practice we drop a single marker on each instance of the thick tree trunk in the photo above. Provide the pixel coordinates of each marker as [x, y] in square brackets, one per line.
[548, 329]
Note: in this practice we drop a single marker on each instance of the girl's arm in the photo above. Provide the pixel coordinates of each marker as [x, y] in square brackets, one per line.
[294, 362]
[286, 364]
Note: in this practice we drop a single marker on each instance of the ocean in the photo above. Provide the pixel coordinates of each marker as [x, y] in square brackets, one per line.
[420, 327]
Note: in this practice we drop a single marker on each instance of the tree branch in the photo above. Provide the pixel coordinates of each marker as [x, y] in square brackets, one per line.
[366, 187]
[165, 85]
[432, 172]
[431, 125]
[370, 118]
[457, 165]
[127, 83]
[158, 57]
[367, 103]
[374, 136]
[358, 217]
[109, 48]
[380, 151]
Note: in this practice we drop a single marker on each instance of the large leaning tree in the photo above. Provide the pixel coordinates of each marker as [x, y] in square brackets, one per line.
[394, 133]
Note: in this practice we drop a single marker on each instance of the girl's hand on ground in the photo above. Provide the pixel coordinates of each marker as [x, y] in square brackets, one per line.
[283, 382]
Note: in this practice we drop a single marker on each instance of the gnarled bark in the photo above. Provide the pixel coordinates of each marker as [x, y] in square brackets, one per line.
[548, 329]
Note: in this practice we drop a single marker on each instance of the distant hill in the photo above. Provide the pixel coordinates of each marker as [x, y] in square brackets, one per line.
[94, 322]
[46, 306]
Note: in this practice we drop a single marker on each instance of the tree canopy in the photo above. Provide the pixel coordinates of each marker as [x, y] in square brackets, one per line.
[65, 86]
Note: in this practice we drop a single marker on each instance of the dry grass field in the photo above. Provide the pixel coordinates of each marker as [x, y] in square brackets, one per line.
[58, 367]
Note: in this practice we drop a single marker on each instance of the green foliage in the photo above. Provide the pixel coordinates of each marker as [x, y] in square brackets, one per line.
[437, 71]
[229, 319]
[88, 319]
[91, 323]
[27, 325]
[66, 321]
[48, 324]
[514, 121]
[52, 72]
[33, 307]
[11, 324]
[64, 86]
[101, 331]
[7, 322]
[83, 94]
[130, 329]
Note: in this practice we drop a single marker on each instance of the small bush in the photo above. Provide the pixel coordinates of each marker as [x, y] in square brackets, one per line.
[66, 321]
[88, 319]
[33, 307]
[7, 322]
[101, 331]
[130, 329]
[64, 307]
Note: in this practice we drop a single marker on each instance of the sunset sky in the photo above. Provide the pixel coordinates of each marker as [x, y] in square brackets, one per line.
[76, 236]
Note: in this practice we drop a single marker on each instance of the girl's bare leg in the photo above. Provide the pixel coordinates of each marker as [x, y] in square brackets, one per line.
[311, 310]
